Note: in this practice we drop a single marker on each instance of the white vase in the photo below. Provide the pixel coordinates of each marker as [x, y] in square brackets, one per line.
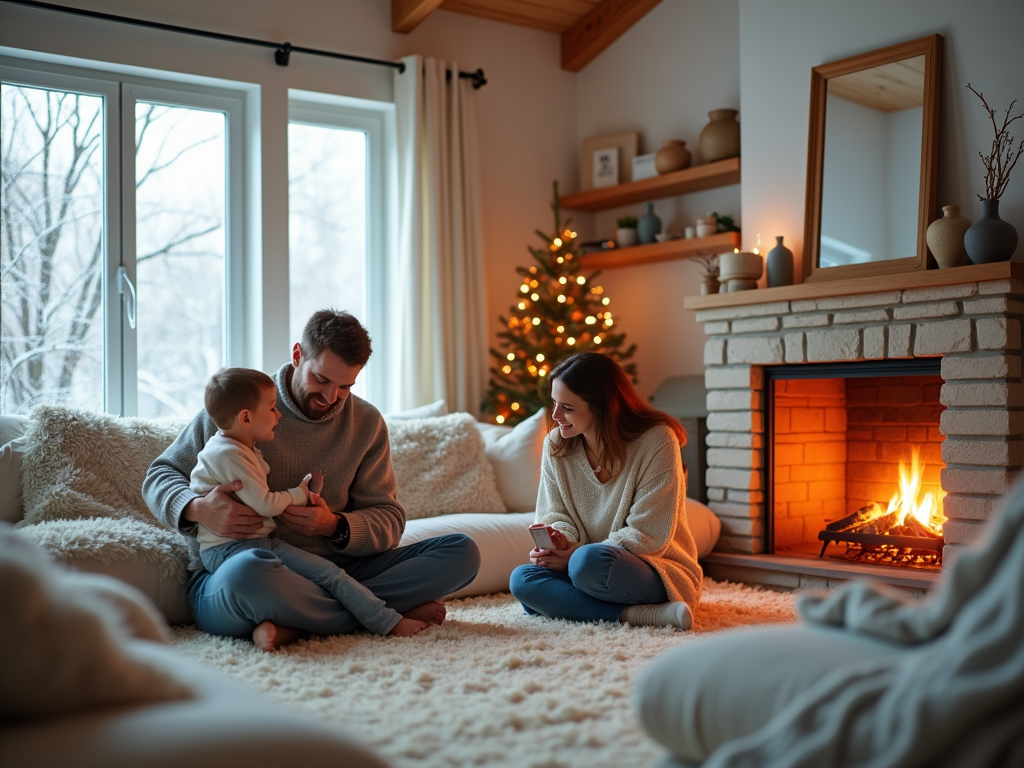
[626, 237]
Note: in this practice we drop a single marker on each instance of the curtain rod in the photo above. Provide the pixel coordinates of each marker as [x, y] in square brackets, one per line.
[282, 51]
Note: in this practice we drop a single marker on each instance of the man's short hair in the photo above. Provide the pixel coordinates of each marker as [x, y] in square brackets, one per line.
[338, 332]
[232, 390]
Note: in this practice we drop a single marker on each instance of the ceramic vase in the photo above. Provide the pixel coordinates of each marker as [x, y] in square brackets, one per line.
[648, 226]
[740, 271]
[673, 156]
[707, 226]
[625, 237]
[709, 284]
[779, 264]
[945, 238]
[720, 138]
[990, 239]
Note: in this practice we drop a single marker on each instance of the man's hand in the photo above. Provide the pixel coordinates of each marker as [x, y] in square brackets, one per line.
[555, 559]
[222, 514]
[314, 520]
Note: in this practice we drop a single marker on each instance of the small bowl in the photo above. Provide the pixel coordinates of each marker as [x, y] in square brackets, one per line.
[663, 237]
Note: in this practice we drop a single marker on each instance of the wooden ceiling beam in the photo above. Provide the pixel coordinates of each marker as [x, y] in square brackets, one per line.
[406, 15]
[601, 27]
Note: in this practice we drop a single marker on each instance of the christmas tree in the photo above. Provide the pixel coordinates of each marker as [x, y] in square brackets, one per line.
[559, 311]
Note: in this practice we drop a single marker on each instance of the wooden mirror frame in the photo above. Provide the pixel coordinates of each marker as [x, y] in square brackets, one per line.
[931, 48]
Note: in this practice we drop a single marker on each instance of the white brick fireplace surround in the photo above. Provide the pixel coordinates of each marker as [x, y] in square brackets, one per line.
[969, 316]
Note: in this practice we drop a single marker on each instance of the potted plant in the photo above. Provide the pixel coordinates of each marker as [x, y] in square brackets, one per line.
[991, 239]
[708, 263]
[626, 235]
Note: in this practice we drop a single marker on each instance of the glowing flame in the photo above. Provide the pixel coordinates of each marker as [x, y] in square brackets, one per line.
[906, 501]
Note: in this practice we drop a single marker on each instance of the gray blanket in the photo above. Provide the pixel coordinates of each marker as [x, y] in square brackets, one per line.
[955, 699]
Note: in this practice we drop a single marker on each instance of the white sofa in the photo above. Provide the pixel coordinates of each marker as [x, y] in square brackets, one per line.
[112, 535]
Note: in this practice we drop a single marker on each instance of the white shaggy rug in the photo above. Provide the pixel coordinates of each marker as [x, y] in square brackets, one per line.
[490, 687]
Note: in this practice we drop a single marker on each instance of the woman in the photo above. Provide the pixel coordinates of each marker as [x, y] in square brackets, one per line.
[612, 488]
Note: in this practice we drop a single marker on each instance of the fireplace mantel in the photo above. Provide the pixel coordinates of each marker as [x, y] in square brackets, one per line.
[823, 289]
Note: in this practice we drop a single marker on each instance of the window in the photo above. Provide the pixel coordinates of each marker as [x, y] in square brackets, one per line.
[337, 185]
[121, 214]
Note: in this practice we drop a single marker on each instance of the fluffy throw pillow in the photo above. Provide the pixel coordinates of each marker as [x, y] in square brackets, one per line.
[64, 641]
[441, 467]
[436, 408]
[81, 464]
[516, 454]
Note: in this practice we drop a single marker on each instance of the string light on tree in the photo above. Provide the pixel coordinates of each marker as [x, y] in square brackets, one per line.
[556, 313]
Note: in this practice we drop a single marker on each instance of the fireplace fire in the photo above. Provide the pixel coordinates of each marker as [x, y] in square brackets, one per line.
[855, 457]
[907, 532]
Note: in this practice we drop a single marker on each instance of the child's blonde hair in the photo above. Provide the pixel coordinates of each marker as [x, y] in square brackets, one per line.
[232, 390]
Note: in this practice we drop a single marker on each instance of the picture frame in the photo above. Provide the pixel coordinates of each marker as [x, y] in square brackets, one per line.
[605, 167]
[627, 143]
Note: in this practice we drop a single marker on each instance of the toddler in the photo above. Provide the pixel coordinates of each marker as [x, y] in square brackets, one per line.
[243, 404]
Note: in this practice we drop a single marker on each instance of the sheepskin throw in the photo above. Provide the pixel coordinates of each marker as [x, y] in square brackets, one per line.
[82, 477]
[441, 467]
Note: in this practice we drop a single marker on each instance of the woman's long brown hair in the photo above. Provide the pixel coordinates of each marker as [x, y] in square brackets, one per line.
[620, 413]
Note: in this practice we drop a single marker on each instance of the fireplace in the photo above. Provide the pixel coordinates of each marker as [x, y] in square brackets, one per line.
[961, 327]
[853, 461]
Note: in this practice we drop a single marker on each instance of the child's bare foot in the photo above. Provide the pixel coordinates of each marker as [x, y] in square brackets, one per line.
[432, 612]
[270, 637]
[407, 628]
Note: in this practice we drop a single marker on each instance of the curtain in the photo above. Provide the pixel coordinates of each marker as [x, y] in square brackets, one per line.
[437, 343]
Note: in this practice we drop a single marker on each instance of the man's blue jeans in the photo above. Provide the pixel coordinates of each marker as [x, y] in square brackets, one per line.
[601, 581]
[255, 586]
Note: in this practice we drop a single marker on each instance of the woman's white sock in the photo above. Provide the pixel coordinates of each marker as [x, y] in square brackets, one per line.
[675, 614]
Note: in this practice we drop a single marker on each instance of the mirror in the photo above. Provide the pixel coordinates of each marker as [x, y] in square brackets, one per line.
[872, 158]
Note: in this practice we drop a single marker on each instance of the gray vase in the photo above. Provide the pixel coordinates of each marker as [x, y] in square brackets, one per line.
[648, 226]
[780, 264]
[990, 239]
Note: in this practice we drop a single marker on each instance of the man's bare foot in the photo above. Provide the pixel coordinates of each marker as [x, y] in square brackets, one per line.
[270, 637]
[432, 612]
[407, 628]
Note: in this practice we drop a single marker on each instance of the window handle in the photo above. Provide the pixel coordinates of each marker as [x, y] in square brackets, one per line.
[130, 301]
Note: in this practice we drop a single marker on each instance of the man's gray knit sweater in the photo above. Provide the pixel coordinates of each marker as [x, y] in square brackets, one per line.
[349, 445]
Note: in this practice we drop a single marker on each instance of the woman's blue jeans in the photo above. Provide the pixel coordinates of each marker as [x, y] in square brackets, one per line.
[601, 581]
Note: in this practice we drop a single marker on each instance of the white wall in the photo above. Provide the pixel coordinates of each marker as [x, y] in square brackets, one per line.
[526, 111]
[781, 40]
[662, 78]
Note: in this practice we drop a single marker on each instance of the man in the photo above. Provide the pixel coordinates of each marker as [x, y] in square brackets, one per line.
[357, 524]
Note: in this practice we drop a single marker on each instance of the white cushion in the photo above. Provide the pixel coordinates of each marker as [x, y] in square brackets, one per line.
[430, 410]
[11, 426]
[704, 525]
[515, 454]
[65, 640]
[12, 502]
[504, 543]
[441, 468]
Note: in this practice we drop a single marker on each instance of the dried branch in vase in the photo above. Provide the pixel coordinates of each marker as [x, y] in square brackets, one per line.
[1003, 156]
[708, 261]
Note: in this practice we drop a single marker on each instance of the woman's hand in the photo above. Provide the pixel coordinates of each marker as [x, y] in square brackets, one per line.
[555, 559]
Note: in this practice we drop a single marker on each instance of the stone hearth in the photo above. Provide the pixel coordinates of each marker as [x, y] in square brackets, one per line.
[970, 317]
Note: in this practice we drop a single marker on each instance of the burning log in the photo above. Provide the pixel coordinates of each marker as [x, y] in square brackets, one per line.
[865, 514]
[917, 528]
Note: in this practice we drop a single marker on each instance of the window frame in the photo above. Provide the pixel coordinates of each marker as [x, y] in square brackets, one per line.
[120, 91]
[376, 119]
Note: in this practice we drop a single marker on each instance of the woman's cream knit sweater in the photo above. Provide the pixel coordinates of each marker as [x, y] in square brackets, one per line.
[643, 510]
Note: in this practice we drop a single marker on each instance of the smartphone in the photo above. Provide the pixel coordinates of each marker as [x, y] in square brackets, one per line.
[542, 536]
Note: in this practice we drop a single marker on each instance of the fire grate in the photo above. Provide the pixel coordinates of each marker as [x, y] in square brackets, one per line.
[881, 540]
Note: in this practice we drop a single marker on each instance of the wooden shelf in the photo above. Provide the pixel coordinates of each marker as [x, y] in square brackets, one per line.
[707, 176]
[655, 252]
[972, 273]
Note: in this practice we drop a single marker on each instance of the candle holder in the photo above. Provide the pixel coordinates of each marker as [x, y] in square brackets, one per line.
[740, 270]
